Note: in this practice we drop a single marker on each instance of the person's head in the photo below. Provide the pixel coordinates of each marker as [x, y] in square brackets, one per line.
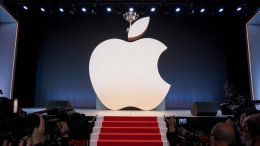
[222, 134]
[247, 113]
[250, 129]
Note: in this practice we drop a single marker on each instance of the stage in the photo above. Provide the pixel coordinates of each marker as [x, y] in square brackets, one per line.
[93, 112]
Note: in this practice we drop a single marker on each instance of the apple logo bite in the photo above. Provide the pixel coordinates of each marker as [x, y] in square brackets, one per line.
[125, 74]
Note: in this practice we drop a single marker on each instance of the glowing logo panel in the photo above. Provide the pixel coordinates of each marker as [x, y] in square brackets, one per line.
[126, 74]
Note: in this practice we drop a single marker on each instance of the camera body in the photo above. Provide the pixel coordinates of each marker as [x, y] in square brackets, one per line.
[14, 126]
[237, 104]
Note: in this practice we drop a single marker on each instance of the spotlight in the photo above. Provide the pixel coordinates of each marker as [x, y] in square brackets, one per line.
[25, 7]
[61, 10]
[202, 10]
[177, 9]
[152, 9]
[239, 9]
[220, 10]
[42, 9]
[83, 9]
[131, 9]
[109, 9]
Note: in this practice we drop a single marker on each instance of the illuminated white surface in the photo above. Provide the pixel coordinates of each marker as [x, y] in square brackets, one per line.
[126, 74]
[138, 28]
[8, 37]
[15, 106]
[253, 32]
[91, 112]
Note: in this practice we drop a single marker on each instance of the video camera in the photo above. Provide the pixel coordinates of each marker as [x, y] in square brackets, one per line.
[15, 125]
[237, 104]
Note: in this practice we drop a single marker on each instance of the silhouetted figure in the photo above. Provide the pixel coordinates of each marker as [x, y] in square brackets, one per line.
[250, 130]
[222, 134]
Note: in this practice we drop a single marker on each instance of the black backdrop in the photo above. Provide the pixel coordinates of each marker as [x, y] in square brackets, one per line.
[203, 53]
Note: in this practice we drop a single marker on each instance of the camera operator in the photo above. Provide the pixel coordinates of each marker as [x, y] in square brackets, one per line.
[64, 130]
[222, 134]
[171, 133]
[179, 135]
[236, 123]
[19, 128]
[37, 137]
[250, 130]
[12, 124]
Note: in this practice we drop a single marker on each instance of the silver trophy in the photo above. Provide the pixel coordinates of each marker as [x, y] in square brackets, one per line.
[130, 16]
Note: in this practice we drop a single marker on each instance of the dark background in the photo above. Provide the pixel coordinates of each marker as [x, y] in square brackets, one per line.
[203, 53]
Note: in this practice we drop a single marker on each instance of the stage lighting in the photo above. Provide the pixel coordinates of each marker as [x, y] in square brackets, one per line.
[42, 9]
[239, 9]
[152, 9]
[61, 10]
[177, 9]
[109, 9]
[25, 7]
[220, 10]
[131, 9]
[202, 10]
[83, 9]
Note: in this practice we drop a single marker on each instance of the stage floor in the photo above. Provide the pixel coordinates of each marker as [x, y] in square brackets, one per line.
[92, 112]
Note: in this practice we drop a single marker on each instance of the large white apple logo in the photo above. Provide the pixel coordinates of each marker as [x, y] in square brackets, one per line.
[125, 74]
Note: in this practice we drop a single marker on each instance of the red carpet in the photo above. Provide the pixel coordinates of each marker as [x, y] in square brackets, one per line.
[129, 131]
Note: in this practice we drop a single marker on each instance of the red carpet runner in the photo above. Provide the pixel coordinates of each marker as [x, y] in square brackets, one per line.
[129, 131]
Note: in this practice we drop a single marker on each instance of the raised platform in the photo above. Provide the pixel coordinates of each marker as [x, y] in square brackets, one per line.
[184, 117]
[92, 112]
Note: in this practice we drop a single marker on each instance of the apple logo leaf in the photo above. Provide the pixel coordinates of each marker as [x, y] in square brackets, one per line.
[137, 30]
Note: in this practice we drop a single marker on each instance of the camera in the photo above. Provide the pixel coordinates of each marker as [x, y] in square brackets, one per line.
[237, 104]
[187, 138]
[15, 125]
